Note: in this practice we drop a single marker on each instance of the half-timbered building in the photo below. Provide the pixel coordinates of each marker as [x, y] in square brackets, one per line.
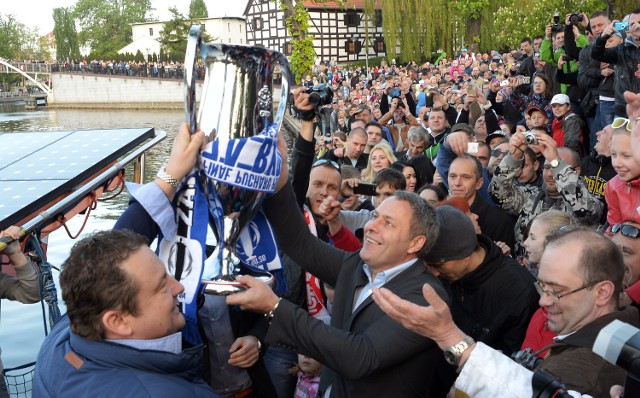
[339, 32]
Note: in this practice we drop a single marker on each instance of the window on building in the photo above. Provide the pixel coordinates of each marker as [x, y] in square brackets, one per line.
[257, 23]
[240, 28]
[229, 27]
[150, 31]
[352, 47]
[379, 46]
[378, 18]
[351, 18]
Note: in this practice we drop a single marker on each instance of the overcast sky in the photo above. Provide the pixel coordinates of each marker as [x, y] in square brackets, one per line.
[38, 13]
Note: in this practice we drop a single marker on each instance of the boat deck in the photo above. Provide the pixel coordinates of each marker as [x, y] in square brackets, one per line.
[39, 169]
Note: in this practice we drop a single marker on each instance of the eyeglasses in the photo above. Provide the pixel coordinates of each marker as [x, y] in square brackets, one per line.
[496, 153]
[555, 296]
[626, 230]
[326, 162]
[538, 83]
[621, 122]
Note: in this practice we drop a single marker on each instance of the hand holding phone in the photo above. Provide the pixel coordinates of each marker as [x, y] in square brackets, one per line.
[621, 26]
[365, 189]
[472, 147]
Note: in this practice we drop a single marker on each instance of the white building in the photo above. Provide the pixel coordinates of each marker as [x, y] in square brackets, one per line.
[338, 30]
[146, 35]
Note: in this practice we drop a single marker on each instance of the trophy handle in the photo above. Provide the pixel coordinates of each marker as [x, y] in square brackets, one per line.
[284, 92]
[193, 41]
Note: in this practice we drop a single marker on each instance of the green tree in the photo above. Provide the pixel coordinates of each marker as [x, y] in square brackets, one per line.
[105, 23]
[303, 54]
[417, 28]
[12, 35]
[197, 9]
[173, 36]
[521, 18]
[64, 32]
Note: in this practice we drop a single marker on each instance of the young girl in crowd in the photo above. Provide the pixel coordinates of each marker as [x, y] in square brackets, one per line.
[308, 372]
[542, 227]
[622, 192]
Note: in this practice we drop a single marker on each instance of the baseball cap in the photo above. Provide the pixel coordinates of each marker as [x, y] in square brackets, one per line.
[560, 99]
[463, 127]
[456, 239]
[497, 133]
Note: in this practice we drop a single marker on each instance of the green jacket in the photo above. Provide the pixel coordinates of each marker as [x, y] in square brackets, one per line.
[547, 55]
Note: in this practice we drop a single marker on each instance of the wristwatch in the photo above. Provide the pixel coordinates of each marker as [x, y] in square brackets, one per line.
[554, 163]
[168, 178]
[453, 354]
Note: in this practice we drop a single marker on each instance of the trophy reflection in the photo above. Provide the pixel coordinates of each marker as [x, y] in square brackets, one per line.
[241, 163]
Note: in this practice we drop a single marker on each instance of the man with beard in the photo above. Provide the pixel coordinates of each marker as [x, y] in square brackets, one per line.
[562, 188]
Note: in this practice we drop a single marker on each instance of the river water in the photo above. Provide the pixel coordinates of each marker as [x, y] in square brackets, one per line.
[21, 326]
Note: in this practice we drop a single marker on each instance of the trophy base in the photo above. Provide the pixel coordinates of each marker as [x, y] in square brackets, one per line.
[226, 284]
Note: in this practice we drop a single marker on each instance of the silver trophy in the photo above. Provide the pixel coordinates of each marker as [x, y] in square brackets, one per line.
[236, 102]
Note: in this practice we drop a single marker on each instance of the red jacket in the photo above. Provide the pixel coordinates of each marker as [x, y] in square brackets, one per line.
[345, 240]
[538, 334]
[623, 199]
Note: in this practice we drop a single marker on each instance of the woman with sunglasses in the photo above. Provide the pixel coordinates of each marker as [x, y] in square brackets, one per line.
[622, 192]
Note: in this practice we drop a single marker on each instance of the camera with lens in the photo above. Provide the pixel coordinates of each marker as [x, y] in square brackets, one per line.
[546, 385]
[526, 358]
[530, 138]
[576, 18]
[320, 94]
[556, 27]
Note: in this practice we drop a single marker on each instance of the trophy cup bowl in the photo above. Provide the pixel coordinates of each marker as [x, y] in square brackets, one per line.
[236, 103]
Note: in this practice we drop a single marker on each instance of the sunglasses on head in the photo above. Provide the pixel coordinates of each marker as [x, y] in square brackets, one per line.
[626, 230]
[326, 162]
[621, 122]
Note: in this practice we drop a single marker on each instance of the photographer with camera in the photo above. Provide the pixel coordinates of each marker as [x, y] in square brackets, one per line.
[562, 189]
[567, 67]
[626, 56]
[596, 79]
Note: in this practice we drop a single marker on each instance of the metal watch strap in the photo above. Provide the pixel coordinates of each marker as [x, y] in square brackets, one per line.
[456, 351]
[168, 178]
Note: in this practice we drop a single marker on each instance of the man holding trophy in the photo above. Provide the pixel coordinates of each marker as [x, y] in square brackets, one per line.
[365, 353]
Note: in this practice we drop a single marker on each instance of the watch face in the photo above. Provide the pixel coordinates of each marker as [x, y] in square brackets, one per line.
[450, 357]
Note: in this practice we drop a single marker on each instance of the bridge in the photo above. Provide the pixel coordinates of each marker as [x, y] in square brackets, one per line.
[26, 69]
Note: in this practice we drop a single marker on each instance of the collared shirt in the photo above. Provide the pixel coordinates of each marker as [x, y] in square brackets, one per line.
[381, 278]
[171, 343]
[363, 292]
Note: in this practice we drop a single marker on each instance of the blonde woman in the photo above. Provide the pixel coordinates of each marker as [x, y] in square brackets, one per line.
[380, 157]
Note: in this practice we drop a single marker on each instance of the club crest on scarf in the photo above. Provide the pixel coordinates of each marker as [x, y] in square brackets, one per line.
[240, 172]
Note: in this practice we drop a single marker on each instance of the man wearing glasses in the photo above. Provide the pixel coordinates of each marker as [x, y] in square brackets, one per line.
[580, 280]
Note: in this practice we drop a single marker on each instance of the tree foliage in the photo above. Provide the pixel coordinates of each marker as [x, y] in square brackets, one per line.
[414, 29]
[173, 36]
[197, 9]
[19, 42]
[64, 32]
[105, 23]
[303, 54]
[521, 18]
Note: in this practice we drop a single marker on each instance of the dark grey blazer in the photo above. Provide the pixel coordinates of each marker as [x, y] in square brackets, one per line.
[365, 353]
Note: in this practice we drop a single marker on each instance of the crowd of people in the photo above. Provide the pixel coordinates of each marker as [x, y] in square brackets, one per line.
[449, 216]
